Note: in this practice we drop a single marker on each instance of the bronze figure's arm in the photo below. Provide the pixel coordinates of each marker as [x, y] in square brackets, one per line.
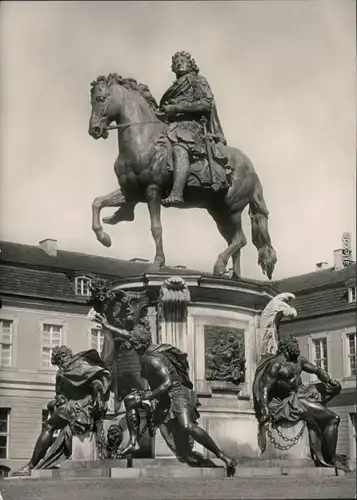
[308, 367]
[270, 381]
[118, 333]
[160, 371]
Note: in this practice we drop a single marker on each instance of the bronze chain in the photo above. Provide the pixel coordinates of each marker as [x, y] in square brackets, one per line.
[291, 441]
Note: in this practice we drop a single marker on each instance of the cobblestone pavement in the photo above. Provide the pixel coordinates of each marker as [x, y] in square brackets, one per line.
[178, 489]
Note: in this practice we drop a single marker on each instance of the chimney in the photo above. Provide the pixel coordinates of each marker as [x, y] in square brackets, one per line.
[49, 246]
[139, 259]
[179, 266]
[320, 266]
[342, 258]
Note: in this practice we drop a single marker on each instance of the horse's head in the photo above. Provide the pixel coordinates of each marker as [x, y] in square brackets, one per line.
[103, 112]
[117, 98]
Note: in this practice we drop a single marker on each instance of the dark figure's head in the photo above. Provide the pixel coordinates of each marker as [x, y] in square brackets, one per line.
[289, 346]
[61, 355]
[183, 63]
[141, 339]
[114, 436]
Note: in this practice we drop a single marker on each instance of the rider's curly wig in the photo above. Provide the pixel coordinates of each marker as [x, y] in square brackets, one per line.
[190, 59]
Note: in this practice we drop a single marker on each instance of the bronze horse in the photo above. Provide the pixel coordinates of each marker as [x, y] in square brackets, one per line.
[132, 107]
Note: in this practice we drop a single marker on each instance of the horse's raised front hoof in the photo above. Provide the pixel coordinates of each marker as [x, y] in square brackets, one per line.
[103, 238]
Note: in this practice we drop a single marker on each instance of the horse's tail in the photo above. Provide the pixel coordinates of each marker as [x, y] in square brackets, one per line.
[259, 215]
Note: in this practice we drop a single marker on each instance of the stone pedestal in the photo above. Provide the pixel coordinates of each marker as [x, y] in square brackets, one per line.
[299, 451]
[197, 313]
[84, 447]
[201, 318]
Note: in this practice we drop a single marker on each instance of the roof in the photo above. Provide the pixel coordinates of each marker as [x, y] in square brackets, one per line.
[321, 292]
[29, 270]
[32, 282]
[326, 277]
[33, 256]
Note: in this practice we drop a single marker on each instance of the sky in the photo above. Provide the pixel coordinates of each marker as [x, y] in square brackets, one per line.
[284, 79]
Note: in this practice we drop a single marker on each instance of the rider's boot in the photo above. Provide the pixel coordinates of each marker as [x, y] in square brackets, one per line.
[181, 173]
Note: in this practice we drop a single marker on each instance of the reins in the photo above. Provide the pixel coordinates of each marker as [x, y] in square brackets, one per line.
[125, 125]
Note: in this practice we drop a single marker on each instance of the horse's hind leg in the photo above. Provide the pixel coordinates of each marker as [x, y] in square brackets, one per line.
[230, 227]
[113, 199]
[153, 199]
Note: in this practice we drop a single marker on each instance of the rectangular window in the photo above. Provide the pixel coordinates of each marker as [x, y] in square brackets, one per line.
[51, 337]
[352, 293]
[320, 353]
[351, 354]
[97, 339]
[6, 334]
[82, 286]
[4, 432]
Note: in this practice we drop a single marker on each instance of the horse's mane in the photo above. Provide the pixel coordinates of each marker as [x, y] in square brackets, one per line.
[130, 84]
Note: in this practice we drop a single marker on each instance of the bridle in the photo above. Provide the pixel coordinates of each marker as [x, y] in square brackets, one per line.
[126, 125]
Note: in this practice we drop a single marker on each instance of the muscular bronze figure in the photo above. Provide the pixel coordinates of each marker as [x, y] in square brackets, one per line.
[280, 397]
[171, 395]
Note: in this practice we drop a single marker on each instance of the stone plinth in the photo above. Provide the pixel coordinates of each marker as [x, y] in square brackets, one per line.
[299, 451]
[197, 314]
[164, 468]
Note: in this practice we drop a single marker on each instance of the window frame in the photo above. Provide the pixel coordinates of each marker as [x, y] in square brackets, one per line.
[352, 293]
[100, 332]
[51, 322]
[77, 279]
[15, 325]
[346, 355]
[7, 434]
[312, 353]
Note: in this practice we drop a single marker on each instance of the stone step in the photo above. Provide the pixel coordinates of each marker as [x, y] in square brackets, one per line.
[172, 461]
[179, 471]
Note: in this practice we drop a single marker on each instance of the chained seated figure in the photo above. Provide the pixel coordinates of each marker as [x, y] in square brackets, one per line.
[281, 398]
[171, 398]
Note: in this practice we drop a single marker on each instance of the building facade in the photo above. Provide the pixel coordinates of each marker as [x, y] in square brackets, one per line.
[43, 304]
[43, 294]
[326, 330]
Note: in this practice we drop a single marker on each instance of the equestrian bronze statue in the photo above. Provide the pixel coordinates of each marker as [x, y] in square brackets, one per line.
[175, 155]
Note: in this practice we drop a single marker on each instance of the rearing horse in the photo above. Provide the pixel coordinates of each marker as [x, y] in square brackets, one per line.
[132, 107]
